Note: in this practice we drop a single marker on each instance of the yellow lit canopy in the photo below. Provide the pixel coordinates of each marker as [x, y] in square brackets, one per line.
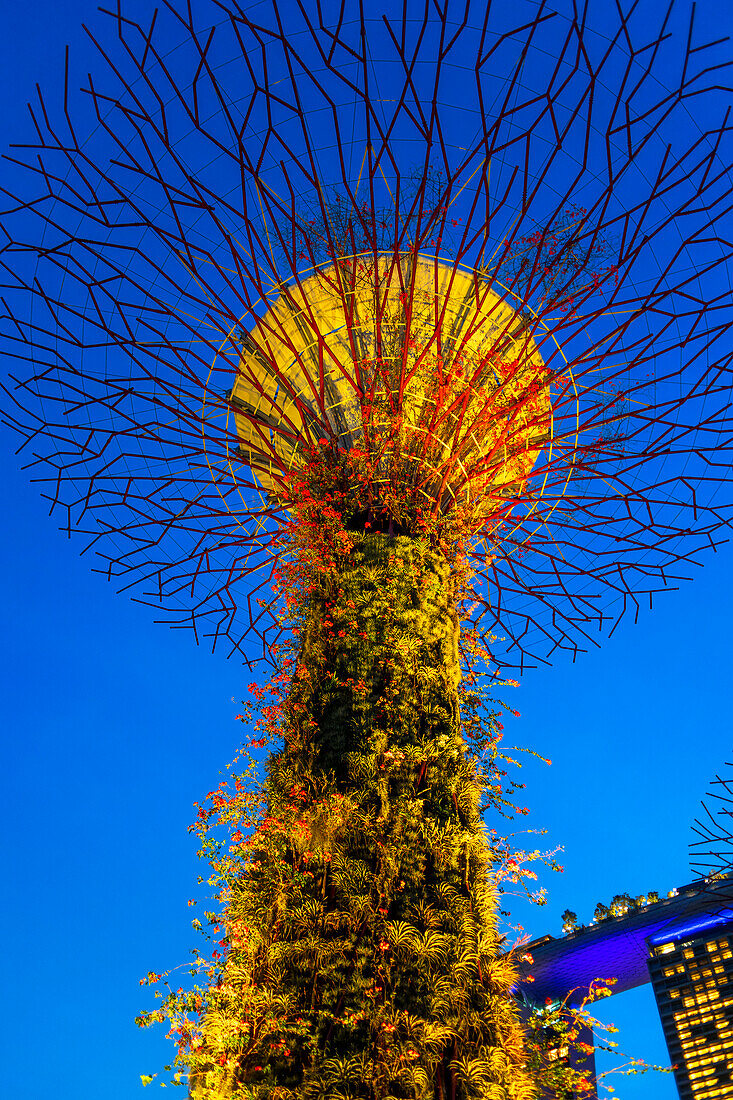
[418, 365]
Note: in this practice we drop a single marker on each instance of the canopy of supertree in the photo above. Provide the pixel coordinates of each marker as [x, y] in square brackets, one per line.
[434, 392]
[477, 256]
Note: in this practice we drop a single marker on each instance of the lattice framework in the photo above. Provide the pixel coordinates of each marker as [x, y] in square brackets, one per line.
[164, 210]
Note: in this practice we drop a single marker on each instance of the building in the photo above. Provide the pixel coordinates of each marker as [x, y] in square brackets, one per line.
[692, 975]
[683, 945]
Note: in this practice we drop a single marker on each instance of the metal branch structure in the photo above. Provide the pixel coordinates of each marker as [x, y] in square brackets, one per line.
[711, 856]
[482, 255]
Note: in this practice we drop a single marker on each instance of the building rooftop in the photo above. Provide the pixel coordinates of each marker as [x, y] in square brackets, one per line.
[617, 947]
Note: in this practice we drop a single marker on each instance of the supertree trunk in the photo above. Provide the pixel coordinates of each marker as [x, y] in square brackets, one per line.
[363, 956]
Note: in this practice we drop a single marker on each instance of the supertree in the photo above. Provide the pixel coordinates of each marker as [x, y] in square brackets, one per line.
[424, 320]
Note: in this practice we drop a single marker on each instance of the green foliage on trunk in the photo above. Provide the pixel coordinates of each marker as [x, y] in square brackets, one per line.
[360, 934]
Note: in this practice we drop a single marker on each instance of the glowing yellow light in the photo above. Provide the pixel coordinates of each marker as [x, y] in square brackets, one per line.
[421, 366]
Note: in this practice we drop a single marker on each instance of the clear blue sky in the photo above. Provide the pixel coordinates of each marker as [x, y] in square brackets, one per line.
[114, 726]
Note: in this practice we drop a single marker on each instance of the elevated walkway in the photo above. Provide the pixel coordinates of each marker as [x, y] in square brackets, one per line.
[619, 947]
[683, 945]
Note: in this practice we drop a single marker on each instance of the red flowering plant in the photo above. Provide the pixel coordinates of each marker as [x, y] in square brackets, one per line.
[563, 1038]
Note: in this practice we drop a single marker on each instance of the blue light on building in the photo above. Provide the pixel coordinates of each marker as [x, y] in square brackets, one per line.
[682, 945]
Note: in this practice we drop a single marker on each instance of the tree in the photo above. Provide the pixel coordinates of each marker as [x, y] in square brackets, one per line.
[414, 387]
[569, 921]
[360, 955]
